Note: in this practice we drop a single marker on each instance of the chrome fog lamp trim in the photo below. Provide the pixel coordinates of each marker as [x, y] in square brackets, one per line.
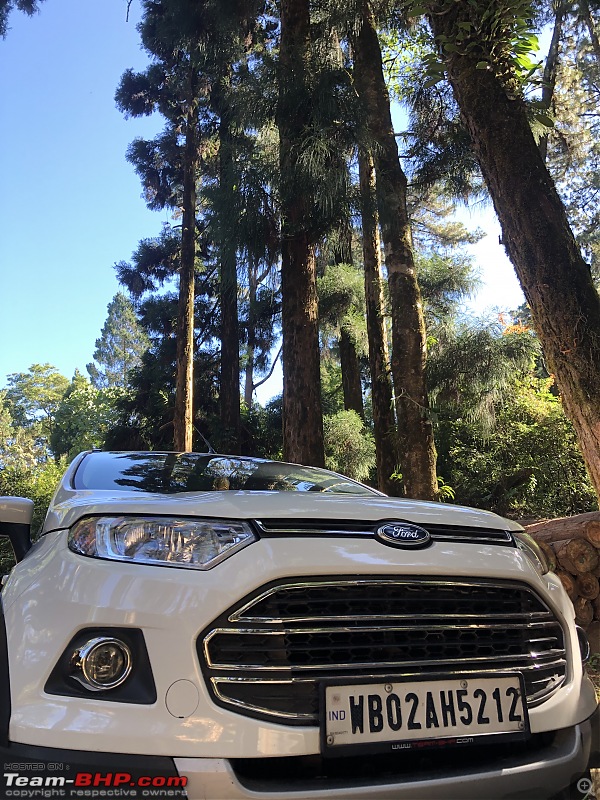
[81, 663]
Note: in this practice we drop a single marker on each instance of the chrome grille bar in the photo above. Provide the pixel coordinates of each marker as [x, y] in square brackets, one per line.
[393, 665]
[377, 590]
[317, 527]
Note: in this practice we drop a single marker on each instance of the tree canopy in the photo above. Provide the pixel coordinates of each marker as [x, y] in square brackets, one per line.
[7, 6]
[304, 225]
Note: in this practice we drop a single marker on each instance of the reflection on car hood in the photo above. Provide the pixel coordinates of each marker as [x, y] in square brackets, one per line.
[69, 506]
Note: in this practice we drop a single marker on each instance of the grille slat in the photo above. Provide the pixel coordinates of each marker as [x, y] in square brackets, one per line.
[266, 656]
[387, 599]
[344, 527]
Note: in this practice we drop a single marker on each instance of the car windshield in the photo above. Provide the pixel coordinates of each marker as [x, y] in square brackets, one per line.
[169, 473]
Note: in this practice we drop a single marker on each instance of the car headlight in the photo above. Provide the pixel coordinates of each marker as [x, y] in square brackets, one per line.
[528, 545]
[168, 541]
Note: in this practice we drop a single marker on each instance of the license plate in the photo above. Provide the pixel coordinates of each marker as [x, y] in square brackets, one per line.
[404, 715]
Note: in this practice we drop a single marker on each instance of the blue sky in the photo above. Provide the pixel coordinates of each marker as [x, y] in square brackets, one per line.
[70, 204]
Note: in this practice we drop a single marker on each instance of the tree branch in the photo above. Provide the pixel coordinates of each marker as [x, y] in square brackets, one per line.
[265, 379]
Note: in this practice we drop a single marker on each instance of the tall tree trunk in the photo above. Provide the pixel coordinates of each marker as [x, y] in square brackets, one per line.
[302, 412]
[230, 334]
[351, 382]
[384, 421]
[184, 381]
[415, 430]
[250, 359]
[555, 279]
[349, 361]
[551, 67]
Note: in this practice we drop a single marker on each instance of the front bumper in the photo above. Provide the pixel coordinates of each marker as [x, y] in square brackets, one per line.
[55, 594]
[550, 764]
[554, 766]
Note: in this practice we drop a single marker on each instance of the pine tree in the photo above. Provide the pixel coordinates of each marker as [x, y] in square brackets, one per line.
[119, 347]
[173, 85]
[382, 395]
[200, 50]
[315, 117]
[415, 431]
[302, 412]
[145, 419]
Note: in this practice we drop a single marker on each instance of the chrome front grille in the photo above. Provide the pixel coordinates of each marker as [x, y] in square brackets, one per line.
[265, 656]
[344, 527]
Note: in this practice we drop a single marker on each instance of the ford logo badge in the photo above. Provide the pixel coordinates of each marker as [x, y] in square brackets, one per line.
[403, 534]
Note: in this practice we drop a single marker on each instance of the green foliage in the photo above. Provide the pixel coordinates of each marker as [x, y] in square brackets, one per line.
[341, 294]
[332, 398]
[446, 493]
[20, 446]
[6, 6]
[145, 413]
[262, 429]
[499, 35]
[528, 465]
[473, 368]
[501, 38]
[26, 470]
[349, 446]
[437, 145]
[34, 396]
[45, 421]
[574, 144]
[38, 483]
[120, 346]
[84, 416]
[446, 280]
[318, 115]
[158, 163]
[154, 263]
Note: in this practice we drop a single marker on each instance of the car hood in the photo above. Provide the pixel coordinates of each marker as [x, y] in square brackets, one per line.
[68, 506]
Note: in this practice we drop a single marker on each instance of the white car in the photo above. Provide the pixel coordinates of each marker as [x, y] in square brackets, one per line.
[222, 627]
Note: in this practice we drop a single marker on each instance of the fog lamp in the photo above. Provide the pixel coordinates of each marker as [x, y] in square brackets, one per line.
[101, 663]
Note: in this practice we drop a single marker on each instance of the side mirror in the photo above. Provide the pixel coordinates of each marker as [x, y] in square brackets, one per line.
[15, 523]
